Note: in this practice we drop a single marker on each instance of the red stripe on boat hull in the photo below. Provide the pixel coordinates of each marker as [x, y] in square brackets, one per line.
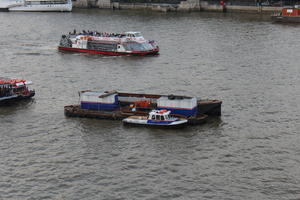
[139, 53]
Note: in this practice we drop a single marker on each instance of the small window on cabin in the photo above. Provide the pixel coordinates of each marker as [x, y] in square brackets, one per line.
[162, 118]
[153, 117]
[157, 117]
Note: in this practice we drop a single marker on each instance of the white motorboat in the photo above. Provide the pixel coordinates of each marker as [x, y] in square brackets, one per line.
[161, 118]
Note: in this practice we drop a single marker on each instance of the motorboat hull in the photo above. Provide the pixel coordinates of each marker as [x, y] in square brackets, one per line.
[4, 10]
[16, 98]
[154, 123]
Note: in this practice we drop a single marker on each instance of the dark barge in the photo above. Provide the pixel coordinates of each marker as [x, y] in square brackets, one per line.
[117, 106]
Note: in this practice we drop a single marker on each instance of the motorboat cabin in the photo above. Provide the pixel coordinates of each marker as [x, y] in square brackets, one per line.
[156, 118]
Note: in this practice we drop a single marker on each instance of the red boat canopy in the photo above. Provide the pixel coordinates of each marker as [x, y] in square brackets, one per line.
[12, 81]
[290, 12]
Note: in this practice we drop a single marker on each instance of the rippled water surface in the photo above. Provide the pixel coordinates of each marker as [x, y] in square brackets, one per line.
[251, 152]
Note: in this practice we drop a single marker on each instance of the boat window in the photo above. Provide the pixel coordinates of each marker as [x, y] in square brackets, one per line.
[157, 117]
[162, 118]
[134, 46]
[101, 46]
[153, 117]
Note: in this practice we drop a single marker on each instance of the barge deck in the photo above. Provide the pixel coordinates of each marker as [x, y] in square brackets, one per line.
[117, 106]
[76, 111]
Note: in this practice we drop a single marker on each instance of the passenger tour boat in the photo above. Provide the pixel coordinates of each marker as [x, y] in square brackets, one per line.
[14, 90]
[128, 43]
[288, 14]
[36, 5]
[158, 118]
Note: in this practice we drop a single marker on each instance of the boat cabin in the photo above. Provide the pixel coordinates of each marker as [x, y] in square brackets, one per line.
[5, 89]
[14, 85]
[186, 106]
[291, 11]
[11, 89]
[160, 115]
[45, 2]
[94, 100]
[132, 34]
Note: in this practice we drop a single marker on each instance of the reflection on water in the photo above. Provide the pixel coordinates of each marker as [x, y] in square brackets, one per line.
[16, 106]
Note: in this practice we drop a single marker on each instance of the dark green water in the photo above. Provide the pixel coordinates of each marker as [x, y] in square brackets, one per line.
[251, 152]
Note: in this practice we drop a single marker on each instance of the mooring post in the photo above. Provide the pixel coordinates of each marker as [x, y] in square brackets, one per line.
[222, 3]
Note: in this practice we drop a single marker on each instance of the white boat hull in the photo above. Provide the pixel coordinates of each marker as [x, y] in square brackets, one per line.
[154, 123]
[6, 4]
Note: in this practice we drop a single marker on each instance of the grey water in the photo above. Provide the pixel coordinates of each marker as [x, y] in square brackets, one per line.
[251, 152]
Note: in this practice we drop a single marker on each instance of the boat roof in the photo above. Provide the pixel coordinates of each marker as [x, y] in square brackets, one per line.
[99, 94]
[17, 82]
[160, 112]
[175, 97]
[132, 32]
[292, 7]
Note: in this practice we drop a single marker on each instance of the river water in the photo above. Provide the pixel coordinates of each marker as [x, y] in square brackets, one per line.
[251, 152]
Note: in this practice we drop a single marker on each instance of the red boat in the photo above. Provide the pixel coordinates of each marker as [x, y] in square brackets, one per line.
[288, 14]
[129, 43]
[12, 90]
